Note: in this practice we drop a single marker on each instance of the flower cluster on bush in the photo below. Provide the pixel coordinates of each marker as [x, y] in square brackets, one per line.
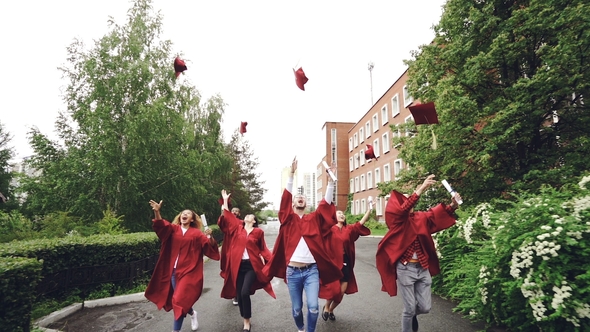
[522, 263]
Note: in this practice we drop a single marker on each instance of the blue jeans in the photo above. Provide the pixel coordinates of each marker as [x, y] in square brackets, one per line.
[178, 323]
[413, 283]
[308, 280]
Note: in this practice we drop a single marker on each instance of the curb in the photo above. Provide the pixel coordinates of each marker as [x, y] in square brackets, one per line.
[43, 322]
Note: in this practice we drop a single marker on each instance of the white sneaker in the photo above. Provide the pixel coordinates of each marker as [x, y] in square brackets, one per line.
[235, 301]
[194, 321]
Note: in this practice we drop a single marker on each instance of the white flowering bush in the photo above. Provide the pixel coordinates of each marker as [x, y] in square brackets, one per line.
[524, 263]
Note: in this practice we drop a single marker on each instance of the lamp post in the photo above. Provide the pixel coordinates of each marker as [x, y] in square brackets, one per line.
[371, 66]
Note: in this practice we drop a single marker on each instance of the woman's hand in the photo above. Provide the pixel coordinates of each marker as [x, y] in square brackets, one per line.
[155, 206]
[208, 231]
[225, 195]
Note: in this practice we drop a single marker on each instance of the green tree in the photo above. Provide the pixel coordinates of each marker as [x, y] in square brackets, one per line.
[6, 153]
[509, 80]
[244, 182]
[131, 132]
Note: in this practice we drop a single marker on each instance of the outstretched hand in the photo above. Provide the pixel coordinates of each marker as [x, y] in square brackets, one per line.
[155, 206]
[429, 181]
[294, 165]
[225, 195]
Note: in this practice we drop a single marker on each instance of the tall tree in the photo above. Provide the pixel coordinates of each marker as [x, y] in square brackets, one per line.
[509, 80]
[245, 185]
[6, 153]
[132, 131]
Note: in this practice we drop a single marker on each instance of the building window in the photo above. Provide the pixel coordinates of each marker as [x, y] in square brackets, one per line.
[376, 148]
[363, 182]
[357, 207]
[408, 119]
[384, 115]
[386, 173]
[397, 167]
[350, 164]
[363, 206]
[368, 129]
[351, 190]
[362, 134]
[377, 176]
[395, 106]
[333, 145]
[385, 142]
[407, 98]
[396, 133]
[355, 140]
[356, 160]
[369, 180]
[375, 122]
[379, 205]
[356, 184]
[362, 156]
[350, 144]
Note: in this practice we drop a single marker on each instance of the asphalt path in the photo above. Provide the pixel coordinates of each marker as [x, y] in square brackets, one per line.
[369, 310]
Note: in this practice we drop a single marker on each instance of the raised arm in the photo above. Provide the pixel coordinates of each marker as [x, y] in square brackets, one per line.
[156, 207]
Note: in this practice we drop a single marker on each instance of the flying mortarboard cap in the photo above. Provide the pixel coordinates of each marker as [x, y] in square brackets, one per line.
[300, 78]
[179, 66]
[425, 114]
[370, 153]
[243, 127]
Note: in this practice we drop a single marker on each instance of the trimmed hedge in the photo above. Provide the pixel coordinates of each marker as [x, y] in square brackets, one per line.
[18, 279]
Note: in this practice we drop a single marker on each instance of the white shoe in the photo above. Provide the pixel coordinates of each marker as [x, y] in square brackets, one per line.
[194, 321]
[235, 301]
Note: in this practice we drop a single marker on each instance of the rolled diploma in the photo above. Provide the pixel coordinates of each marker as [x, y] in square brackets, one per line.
[370, 202]
[451, 191]
[205, 223]
[332, 175]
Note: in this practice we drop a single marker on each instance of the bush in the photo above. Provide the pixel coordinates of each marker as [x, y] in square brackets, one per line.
[524, 263]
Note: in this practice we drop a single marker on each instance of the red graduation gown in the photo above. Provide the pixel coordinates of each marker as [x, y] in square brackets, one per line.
[404, 227]
[189, 248]
[315, 229]
[346, 236]
[254, 243]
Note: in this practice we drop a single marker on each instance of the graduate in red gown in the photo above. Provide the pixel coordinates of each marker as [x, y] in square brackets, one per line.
[245, 259]
[345, 235]
[302, 254]
[407, 254]
[226, 243]
[177, 281]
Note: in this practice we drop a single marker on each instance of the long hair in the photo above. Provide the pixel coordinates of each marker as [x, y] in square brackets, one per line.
[196, 221]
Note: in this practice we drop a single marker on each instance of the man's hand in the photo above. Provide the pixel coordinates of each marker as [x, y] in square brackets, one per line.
[225, 195]
[429, 181]
[294, 165]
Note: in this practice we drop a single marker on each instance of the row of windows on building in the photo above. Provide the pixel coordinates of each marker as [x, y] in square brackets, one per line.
[366, 181]
[374, 125]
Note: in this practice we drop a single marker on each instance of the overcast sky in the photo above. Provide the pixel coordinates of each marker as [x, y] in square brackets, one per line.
[243, 50]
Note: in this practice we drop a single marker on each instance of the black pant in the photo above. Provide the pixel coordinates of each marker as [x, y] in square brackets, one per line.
[246, 278]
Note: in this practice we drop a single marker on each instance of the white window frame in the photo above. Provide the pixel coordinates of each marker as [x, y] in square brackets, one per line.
[362, 134]
[350, 164]
[355, 140]
[406, 120]
[385, 142]
[375, 122]
[376, 148]
[356, 185]
[351, 190]
[362, 156]
[356, 160]
[384, 115]
[350, 147]
[369, 180]
[386, 172]
[363, 206]
[397, 167]
[377, 173]
[363, 183]
[396, 133]
[408, 99]
[368, 129]
[379, 205]
[356, 203]
[395, 109]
